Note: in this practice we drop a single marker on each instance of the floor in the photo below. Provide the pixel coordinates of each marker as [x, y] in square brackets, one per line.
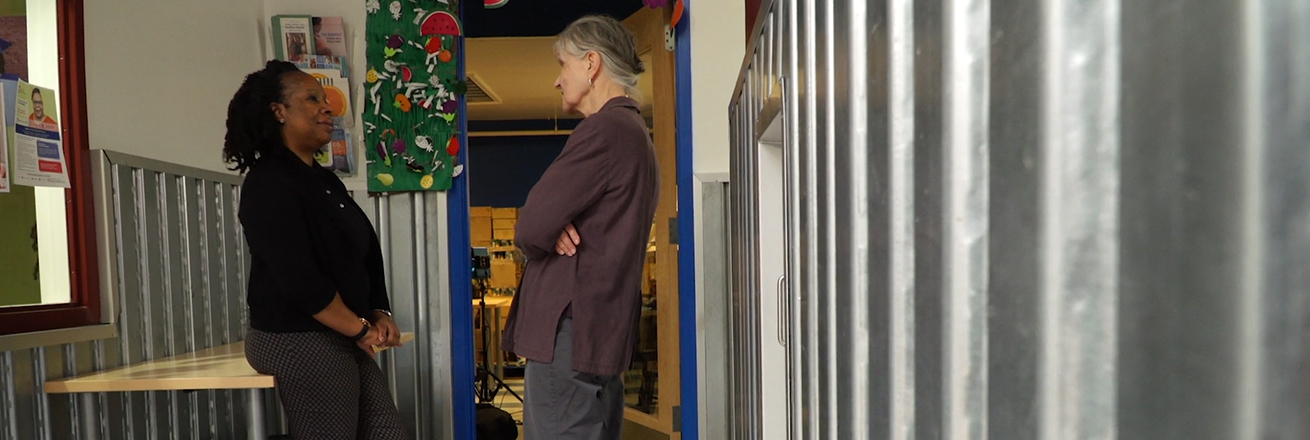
[509, 404]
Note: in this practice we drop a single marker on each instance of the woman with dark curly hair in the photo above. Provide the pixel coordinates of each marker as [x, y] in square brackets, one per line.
[318, 301]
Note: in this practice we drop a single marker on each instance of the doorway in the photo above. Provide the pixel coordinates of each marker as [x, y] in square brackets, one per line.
[772, 247]
[515, 130]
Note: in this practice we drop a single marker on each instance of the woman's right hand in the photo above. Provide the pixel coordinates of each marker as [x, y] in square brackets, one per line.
[371, 339]
[568, 242]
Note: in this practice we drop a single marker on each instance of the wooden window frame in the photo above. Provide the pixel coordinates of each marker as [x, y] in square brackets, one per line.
[84, 276]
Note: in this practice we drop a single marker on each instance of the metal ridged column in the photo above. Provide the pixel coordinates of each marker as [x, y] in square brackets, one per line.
[966, 224]
[902, 231]
[412, 228]
[858, 223]
[1080, 220]
[1275, 312]
[1023, 220]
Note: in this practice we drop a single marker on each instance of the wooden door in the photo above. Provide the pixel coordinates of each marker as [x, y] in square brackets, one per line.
[656, 373]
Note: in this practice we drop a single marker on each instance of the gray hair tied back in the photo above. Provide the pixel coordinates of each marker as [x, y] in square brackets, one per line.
[615, 44]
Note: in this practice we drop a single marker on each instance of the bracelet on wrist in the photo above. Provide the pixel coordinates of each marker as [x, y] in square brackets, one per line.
[362, 332]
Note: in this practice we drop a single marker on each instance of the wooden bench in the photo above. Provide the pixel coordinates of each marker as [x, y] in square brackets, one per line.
[219, 368]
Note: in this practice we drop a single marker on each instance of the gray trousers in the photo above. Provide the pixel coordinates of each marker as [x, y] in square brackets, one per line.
[562, 404]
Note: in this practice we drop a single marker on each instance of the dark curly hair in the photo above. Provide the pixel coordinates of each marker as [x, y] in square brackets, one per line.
[252, 129]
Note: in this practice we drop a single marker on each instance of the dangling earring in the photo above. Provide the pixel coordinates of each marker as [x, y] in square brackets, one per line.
[591, 83]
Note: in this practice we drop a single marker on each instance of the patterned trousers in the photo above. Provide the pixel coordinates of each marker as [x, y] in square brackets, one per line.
[330, 389]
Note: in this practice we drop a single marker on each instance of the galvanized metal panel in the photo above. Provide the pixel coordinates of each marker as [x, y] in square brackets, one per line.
[1277, 86]
[1080, 216]
[412, 230]
[968, 28]
[158, 234]
[194, 297]
[1014, 331]
[901, 231]
[1109, 216]
[57, 412]
[1182, 135]
[928, 291]
[863, 214]
[131, 192]
[714, 343]
[25, 413]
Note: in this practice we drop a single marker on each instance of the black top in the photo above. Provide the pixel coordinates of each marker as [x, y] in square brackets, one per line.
[308, 241]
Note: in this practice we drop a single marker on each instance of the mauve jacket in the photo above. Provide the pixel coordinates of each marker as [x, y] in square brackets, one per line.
[606, 182]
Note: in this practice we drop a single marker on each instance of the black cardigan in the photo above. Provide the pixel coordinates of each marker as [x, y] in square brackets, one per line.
[308, 242]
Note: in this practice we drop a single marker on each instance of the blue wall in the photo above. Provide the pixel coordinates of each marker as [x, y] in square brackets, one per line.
[503, 169]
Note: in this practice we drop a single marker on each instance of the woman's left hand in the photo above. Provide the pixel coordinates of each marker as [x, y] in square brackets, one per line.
[387, 329]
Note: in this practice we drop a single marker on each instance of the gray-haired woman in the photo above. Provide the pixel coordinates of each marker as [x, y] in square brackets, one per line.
[584, 231]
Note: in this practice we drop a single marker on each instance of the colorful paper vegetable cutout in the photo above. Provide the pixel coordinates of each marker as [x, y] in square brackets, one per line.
[449, 106]
[424, 143]
[495, 4]
[452, 147]
[434, 45]
[412, 164]
[382, 153]
[386, 179]
[403, 103]
[396, 42]
[396, 9]
[399, 146]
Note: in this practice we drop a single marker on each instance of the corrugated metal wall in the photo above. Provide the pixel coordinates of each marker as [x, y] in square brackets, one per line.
[412, 227]
[177, 285]
[1031, 219]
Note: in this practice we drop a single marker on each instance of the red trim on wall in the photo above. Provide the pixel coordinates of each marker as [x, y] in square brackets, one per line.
[752, 12]
[84, 271]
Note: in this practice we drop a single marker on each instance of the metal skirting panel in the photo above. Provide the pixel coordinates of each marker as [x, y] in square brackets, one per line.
[713, 342]
[175, 283]
[412, 227]
[1028, 219]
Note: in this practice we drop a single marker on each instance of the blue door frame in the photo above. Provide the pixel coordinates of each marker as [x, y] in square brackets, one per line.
[461, 282]
[461, 279]
[686, 232]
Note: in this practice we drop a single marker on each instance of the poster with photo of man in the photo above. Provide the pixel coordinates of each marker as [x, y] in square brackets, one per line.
[39, 158]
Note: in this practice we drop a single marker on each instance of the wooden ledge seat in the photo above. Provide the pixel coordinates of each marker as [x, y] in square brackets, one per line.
[219, 368]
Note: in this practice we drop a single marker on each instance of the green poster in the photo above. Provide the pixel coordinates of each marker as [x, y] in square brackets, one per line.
[411, 95]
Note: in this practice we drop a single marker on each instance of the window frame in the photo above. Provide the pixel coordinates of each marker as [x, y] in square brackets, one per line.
[84, 308]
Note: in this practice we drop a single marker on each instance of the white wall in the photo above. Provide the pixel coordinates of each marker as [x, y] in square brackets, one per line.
[718, 40]
[352, 11]
[161, 73]
[718, 45]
